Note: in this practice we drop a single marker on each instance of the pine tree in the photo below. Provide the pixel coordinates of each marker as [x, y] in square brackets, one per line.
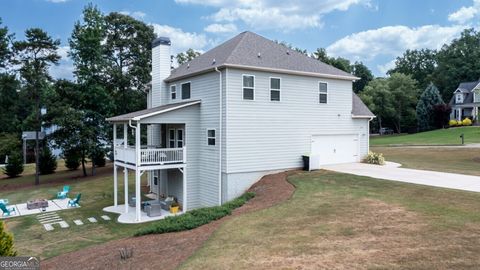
[48, 162]
[425, 107]
[14, 166]
[6, 242]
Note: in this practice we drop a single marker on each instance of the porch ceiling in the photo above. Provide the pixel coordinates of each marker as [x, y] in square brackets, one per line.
[138, 115]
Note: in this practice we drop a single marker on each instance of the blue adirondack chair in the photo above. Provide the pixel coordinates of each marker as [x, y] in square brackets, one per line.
[74, 202]
[4, 201]
[6, 210]
[63, 194]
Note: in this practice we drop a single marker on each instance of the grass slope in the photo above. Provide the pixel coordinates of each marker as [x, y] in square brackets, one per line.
[453, 160]
[340, 221]
[450, 136]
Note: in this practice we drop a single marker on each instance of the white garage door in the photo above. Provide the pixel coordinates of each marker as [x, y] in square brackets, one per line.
[333, 149]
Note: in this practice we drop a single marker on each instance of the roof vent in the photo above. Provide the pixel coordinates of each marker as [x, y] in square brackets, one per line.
[213, 62]
[288, 52]
[259, 55]
[188, 65]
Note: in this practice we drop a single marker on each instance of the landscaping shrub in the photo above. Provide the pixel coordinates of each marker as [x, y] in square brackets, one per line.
[375, 158]
[6, 242]
[72, 159]
[467, 122]
[14, 166]
[452, 123]
[48, 162]
[195, 218]
[9, 143]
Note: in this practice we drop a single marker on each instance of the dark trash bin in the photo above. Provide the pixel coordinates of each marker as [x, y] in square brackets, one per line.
[306, 163]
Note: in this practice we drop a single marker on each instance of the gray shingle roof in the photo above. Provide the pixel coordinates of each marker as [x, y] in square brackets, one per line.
[250, 50]
[466, 88]
[152, 111]
[359, 109]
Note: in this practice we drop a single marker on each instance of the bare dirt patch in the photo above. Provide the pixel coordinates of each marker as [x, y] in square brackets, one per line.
[167, 251]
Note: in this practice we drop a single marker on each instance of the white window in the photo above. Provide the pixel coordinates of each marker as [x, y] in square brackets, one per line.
[211, 137]
[186, 89]
[180, 138]
[173, 92]
[323, 92]
[248, 87]
[171, 138]
[459, 98]
[274, 89]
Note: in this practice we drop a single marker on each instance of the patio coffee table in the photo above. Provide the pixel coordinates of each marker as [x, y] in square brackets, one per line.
[36, 204]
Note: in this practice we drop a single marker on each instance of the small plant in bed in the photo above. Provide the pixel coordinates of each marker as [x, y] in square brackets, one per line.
[195, 218]
[374, 158]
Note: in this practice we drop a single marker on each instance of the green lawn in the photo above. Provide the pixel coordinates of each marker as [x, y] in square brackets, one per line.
[450, 136]
[453, 160]
[340, 221]
[31, 239]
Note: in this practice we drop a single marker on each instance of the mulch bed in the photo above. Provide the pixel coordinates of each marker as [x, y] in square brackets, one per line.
[168, 251]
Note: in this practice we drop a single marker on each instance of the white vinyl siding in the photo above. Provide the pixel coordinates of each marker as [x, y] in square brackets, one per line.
[280, 133]
[204, 87]
[322, 92]
[275, 87]
[248, 87]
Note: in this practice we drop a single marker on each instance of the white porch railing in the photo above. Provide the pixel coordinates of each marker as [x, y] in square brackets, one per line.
[151, 156]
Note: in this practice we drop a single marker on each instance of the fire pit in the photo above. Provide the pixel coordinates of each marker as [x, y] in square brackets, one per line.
[36, 204]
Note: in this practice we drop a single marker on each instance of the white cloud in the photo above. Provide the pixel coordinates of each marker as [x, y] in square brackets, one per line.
[64, 69]
[386, 67]
[392, 41]
[181, 40]
[285, 15]
[221, 28]
[135, 14]
[465, 14]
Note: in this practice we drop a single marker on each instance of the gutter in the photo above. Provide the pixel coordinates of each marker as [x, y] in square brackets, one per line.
[220, 136]
[284, 71]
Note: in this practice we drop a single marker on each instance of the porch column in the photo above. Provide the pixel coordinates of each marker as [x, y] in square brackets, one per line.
[184, 189]
[115, 185]
[115, 179]
[137, 173]
[459, 115]
[125, 178]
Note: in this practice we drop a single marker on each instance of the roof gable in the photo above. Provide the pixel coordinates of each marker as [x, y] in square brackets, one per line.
[249, 50]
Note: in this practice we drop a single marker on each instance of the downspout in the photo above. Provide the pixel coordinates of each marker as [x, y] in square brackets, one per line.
[220, 136]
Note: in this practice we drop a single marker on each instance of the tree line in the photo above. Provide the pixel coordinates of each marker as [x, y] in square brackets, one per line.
[111, 56]
[415, 94]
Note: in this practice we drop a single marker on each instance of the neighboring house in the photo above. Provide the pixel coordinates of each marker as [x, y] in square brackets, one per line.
[465, 101]
[246, 108]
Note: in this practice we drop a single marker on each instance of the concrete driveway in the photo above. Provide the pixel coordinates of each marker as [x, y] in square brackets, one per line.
[391, 171]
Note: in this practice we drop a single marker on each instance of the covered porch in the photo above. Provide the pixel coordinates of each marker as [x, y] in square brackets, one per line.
[143, 147]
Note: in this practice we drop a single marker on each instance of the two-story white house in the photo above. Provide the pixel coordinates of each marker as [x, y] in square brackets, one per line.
[465, 101]
[246, 108]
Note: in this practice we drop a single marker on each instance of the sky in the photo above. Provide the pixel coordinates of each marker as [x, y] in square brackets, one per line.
[374, 32]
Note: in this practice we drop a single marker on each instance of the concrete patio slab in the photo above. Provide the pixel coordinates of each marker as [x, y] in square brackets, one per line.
[421, 177]
[78, 222]
[129, 218]
[53, 205]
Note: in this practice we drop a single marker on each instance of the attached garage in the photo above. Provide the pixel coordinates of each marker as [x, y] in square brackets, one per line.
[334, 149]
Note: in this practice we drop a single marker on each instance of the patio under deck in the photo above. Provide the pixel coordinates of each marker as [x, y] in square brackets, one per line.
[130, 217]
